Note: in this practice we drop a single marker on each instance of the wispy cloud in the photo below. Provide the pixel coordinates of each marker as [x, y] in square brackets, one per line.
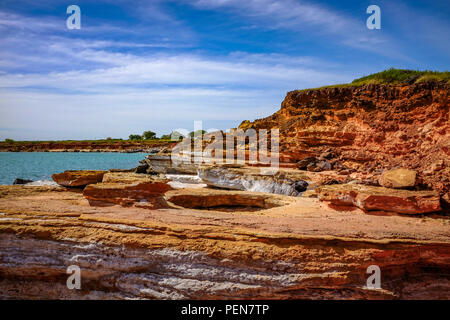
[181, 69]
[308, 17]
[154, 66]
[286, 13]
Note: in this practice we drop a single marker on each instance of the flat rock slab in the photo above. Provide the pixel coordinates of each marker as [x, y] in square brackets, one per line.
[379, 198]
[302, 250]
[78, 178]
[224, 199]
[148, 194]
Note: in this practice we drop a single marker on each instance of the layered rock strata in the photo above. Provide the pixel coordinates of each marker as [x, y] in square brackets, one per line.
[371, 198]
[369, 129]
[127, 189]
[223, 200]
[300, 249]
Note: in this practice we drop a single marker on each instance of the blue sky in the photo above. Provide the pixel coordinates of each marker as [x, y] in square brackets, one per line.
[159, 65]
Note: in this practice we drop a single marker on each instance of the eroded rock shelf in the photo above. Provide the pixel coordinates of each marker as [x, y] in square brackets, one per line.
[364, 180]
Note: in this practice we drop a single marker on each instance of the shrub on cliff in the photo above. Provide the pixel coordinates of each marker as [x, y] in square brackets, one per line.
[395, 77]
[402, 76]
[149, 135]
[9, 140]
[134, 137]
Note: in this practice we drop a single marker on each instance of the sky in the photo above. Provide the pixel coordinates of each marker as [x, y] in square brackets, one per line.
[160, 65]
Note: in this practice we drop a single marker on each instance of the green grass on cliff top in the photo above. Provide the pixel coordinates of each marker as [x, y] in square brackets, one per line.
[395, 77]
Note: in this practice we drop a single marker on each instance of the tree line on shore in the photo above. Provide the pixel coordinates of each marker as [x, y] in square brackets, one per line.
[174, 136]
[146, 135]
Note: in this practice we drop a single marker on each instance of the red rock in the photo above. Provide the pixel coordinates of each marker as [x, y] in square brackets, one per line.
[78, 178]
[398, 178]
[147, 194]
[224, 200]
[379, 198]
[369, 128]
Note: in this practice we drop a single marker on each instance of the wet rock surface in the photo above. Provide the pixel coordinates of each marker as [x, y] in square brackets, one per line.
[22, 181]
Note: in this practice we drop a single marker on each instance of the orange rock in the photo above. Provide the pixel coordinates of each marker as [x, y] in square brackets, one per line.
[78, 178]
[224, 200]
[147, 194]
[379, 198]
[369, 128]
[398, 178]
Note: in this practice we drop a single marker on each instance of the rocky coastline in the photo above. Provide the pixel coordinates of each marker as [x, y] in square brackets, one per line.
[86, 146]
[363, 179]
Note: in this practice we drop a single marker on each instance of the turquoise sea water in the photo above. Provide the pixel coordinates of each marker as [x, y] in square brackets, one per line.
[41, 165]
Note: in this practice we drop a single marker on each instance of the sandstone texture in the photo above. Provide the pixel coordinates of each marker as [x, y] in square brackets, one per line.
[127, 177]
[364, 180]
[369, 129]
[146, 193]
[379, 198]
[164, 164]
[398, 178]
[299, 249]
[78, 178]
[224, 200]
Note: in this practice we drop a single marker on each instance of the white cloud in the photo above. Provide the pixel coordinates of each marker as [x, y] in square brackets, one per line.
[160, 92]
[181, 69]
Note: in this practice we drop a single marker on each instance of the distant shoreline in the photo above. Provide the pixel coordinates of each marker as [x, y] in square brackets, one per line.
[125, 146]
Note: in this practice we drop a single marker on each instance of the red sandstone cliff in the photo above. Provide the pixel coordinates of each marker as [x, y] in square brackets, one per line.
[369, 128]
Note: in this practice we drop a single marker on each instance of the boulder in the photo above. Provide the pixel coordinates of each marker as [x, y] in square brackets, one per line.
[398, 178]
[148, 194]
[371, 198]
[303, 164]
[324, 166]
[22, 181]
[78, 178]
[141, 168]
[314, 165]
[300, 185]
